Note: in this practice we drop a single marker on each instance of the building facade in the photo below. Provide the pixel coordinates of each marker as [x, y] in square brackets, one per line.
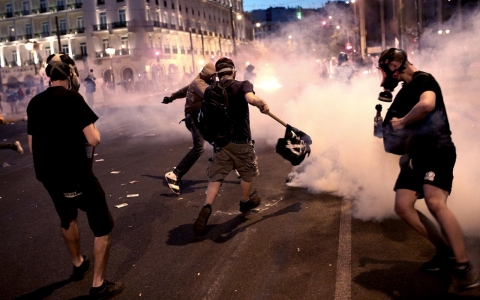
[122, 41]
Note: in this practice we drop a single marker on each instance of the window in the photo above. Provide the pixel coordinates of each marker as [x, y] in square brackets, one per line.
[157, 16]
[11, 30]
[8, 9]
[48, 51]
[65, 49]
[25, 7]
[80, 23]
[124, 42]
[165, 3]
[62, 25]
[83, 49]
[103, 18]
[121, 16]
[105, 44]
[148, 15]
[45, 28]
[43, 5]
[173, 6]
[60, 4]
[28, 30]
[14, 55]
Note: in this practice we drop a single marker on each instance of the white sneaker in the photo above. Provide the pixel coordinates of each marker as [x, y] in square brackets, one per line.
[173, 182]
[19, 147]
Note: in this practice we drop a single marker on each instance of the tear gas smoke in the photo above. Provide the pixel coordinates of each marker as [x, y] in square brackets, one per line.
[346, 159]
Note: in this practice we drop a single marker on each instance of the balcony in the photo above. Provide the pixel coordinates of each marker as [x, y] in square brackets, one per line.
[122, 52]
[122, 24]
[24, 37]
[8, 39]
[156, 24]
[172, 26]
[60, 32]
[22, 13]
[75, 5]
[99, 27]
[100, 2]
[80, 56]
[42, 34]
[77, 30]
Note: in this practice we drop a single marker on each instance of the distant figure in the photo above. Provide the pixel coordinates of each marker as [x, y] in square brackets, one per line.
[249, 75]
[12, 101]
[465, 61]
[344, 71]
[90, 88]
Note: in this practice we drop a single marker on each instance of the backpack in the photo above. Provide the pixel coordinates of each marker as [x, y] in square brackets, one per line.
[214, 119]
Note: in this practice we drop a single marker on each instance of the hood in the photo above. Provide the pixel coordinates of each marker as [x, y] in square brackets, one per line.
[207, 71]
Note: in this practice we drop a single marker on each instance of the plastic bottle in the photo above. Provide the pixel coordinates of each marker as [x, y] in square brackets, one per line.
[377, 122]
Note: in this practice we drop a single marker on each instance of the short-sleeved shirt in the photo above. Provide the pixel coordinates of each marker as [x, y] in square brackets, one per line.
[239, 109]
[432, 131]
[56, 119]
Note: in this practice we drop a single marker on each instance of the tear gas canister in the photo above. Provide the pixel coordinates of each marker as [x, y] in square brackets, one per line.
[377, 122]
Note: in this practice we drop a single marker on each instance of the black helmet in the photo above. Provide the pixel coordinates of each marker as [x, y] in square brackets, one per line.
[342, 57]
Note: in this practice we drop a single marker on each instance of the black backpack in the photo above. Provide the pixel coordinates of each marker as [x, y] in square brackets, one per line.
[214, 119]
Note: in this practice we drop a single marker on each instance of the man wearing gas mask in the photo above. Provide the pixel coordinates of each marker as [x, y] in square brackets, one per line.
[194, 97]
[60, 116]
[416, 127]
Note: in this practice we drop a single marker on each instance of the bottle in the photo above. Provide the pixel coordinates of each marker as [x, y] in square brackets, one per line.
[377, 122]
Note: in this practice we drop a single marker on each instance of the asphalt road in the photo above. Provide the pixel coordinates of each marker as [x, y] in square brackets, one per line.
[297, 245]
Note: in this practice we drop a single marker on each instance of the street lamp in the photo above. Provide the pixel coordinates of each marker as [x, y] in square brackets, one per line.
[31, 47]
[111, 52]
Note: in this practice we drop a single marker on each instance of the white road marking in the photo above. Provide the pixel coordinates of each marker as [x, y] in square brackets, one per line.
[343, 289]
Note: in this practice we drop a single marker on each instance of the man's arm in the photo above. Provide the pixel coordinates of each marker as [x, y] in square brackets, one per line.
[199, 87]
[418, 112]
[30, 143]
[92, 134]
[254, 100]
[181, 93]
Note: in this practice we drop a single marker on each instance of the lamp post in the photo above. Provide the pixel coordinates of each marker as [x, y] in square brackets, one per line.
[111, 52]
[31, 47]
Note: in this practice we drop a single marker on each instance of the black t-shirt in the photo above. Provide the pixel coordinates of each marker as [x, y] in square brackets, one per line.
[239, 109]
[56, 119]
[434, 129]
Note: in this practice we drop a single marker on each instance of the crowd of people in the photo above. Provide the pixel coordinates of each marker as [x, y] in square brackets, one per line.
[427, 156]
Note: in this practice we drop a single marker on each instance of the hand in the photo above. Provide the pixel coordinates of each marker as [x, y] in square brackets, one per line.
[167, 100]
[397, 123]
[264, 109]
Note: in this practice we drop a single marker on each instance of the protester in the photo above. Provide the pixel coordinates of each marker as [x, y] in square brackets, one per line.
[344, 71]
[194, 96]
[238, 152]
[60, 116]
[249, 75]
[90, 88]
[418, 113]
[12, 99]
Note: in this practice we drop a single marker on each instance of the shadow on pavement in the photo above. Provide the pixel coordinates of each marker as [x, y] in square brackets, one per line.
[221, 233]
[45, 291]
[404, 280]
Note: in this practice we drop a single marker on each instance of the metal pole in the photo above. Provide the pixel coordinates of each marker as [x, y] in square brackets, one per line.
[233, 31]
[58, 35]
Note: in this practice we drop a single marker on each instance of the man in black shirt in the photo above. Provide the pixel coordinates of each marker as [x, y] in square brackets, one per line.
[238, 151]
[426, 165]
[60, 116]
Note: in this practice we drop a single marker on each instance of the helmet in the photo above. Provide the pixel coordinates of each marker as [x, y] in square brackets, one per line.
[342, 57]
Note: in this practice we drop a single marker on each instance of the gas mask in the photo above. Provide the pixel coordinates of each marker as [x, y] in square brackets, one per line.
[389, 83]
[73, 82]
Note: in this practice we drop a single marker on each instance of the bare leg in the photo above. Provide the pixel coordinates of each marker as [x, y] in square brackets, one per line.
[246, 188]
[436, 200]
[405, 209]
[212, 191]
[101, 252]
[72, 239]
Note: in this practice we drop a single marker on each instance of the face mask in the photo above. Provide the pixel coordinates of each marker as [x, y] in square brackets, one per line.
[74, 83]
[388, 82]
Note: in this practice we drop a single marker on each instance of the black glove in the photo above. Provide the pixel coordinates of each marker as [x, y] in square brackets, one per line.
[167, 100]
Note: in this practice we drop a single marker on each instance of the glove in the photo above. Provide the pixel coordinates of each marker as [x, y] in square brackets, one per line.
[405, 161]
[167, 100]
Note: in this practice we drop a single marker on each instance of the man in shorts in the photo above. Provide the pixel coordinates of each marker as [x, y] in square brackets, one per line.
[426, 166]
[237, 151]
[60, 116]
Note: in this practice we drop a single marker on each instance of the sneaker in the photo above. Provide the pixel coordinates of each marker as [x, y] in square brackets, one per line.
[201, 222]
[19, 147]
[253, 201]
[106, 290]
[465, 277]
[79, 272]
[174, 182]
[440, 261]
